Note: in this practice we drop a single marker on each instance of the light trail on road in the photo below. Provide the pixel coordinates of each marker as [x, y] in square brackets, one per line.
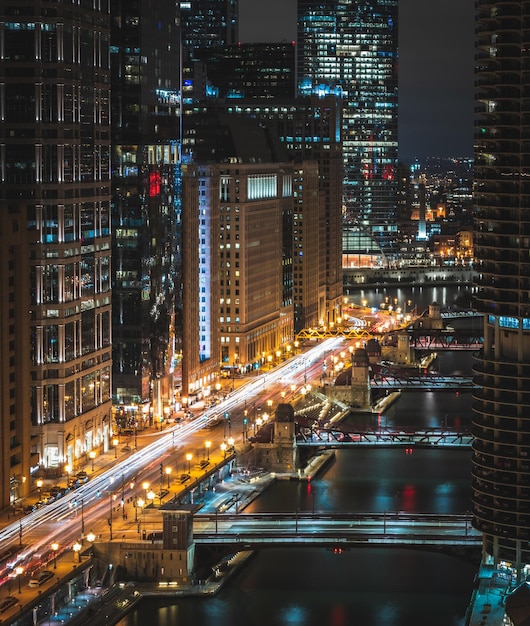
[65, 511]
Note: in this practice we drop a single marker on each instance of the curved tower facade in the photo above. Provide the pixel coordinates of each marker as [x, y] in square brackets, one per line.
[501, 450]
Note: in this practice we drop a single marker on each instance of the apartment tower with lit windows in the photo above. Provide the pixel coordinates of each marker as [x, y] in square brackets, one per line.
[501, 424]
[55, 174]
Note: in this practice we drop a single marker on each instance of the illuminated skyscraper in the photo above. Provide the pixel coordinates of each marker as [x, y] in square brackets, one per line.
[55, 174]
[501, 450]
[145, 55]
[349, 48]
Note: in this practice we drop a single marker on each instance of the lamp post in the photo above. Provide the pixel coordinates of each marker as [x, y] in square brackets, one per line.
[77, 548]
[55, 547]
[19, 571]
[189, 456]
[168, 474]
[223, 448]
[139, 504]
[111, 495]
[92, 456]
[82, 519]
[40, 482]
[115, 443]
[67, 469]
[91, 537]
[208, 445]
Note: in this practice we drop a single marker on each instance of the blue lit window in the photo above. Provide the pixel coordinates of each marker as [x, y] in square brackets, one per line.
[508, 322]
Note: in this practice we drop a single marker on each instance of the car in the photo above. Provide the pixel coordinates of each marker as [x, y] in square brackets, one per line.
[57, 491]
[47, 497]
[74, 483]
[82, 477]
[7, 603]
[40, 578]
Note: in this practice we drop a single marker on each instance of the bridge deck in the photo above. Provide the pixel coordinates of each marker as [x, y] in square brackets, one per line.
[325, 529]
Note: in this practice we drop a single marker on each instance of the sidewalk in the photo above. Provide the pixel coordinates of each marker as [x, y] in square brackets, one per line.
[487, 602]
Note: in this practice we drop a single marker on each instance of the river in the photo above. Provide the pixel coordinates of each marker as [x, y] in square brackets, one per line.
[363, 586]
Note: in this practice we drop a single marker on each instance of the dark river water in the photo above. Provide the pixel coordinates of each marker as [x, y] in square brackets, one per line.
[363, 586]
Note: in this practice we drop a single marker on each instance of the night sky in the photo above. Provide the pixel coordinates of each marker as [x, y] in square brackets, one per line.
[436, 59]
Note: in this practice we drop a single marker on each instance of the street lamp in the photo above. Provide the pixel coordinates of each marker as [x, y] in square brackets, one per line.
[139, 505]
[40, 482]
[115, 443]
[76, 548]
[208, 445]
[92, 456]
[55, 547]
[189, 456]
[19, 570]
[67, 469]
[91, 537]
[168, 473]
[223, 448]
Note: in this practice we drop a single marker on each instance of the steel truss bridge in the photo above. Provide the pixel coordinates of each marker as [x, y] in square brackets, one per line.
[312, 436]
[420, 338]
[396, 377]
[335, 530]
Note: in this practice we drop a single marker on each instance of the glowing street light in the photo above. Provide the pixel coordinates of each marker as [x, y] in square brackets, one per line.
[115, 443]
[77, 548]
[208, 445]
[39, 483]
[189, 456]
[139, 505]
[223, 448]
[19, 570]
[67, 469]
[168, 473]
[91, 537]
[92, 456]
[55, 547]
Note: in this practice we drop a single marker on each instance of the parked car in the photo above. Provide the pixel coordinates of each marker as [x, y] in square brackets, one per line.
[47, 497]
[40, 578]
[7, 603]
[82, 476]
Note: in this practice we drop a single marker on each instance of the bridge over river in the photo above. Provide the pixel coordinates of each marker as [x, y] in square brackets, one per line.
[316, 437]
[335, 530]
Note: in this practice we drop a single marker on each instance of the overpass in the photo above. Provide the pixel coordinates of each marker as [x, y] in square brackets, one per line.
[334, 530]
[317, 437]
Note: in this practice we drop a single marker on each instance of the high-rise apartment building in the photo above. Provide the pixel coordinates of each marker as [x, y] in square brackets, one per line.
[55, 174]
[309, 130]
[350, 49]
[146, 215]
[238, 246]
[501, 425]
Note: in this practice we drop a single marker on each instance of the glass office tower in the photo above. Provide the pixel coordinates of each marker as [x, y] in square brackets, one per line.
[350, 49]
[501, 450]
[145, 56]
[55, 166]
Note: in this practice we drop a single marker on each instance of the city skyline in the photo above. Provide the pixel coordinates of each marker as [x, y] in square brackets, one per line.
[435, 80]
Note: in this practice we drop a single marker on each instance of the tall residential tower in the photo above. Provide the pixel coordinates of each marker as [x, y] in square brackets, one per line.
[55, 175]
[501, 449]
